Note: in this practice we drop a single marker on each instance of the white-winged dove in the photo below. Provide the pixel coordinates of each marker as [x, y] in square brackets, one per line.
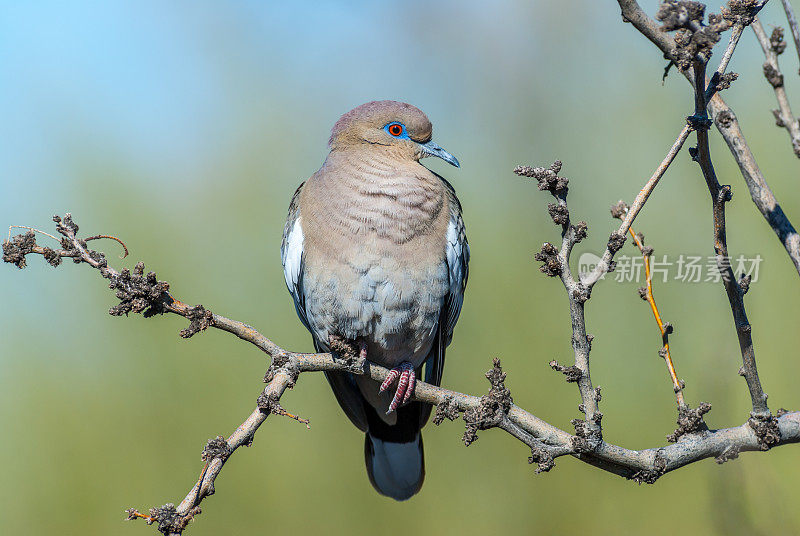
[374, 251]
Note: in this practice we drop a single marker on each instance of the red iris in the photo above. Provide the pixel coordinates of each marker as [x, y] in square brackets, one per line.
[395, 130]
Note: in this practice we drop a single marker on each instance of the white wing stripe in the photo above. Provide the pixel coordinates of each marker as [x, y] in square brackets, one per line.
[292, 256]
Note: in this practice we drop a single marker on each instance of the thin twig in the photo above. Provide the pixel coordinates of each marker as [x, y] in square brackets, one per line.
[783, 115]
[30, 229]
[736, 34]
[297, 418]
[604, 264]
[787, 8]
[677, 385]
[133, 513]
[714, 84]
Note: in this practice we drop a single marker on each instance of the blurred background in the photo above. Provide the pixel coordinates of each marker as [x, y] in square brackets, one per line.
[185, 127]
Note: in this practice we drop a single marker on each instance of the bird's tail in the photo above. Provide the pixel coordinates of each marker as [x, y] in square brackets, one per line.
[396, 469]
[393, 452]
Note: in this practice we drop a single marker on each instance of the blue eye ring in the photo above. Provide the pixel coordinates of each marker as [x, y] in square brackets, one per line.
[396, 129]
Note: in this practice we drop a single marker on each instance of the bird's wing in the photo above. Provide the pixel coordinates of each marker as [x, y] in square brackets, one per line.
[458, 265]
[292, 256]
[342, 383]
[350, 399]
[457, 258]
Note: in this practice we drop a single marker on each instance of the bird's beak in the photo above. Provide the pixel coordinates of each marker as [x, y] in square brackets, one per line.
[431, 149]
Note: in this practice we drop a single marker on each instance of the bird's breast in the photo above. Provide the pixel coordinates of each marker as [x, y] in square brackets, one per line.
[374, 199]
[374, 298]
[375, 267]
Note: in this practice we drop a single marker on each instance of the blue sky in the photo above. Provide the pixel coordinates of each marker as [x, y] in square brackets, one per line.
[163, 82]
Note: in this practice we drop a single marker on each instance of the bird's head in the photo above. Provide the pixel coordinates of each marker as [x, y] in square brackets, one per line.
[396, 127]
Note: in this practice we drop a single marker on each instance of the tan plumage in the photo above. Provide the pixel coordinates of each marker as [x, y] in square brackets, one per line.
[374, 251]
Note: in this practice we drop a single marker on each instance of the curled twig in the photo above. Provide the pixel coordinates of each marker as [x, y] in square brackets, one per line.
[121, 243]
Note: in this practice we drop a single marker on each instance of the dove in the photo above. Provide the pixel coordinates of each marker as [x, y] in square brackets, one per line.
[375, 252]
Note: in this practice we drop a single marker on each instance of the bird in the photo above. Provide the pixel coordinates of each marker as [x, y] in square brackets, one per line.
[375, 252]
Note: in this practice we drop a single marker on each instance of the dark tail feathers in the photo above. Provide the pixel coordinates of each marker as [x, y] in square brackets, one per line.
[396, 470]
[393, 453]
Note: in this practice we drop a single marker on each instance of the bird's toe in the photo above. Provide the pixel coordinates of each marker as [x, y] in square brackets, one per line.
[406, 378]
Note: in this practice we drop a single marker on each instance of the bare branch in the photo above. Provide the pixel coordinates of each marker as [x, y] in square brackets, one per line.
[719, 196]
[618, 237]
[787, 8]
[772, 46]
[557, 263]
[727, 124]
[141, 293]
[720, 80]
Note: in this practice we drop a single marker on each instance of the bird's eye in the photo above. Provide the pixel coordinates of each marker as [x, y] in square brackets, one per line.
[395, 129]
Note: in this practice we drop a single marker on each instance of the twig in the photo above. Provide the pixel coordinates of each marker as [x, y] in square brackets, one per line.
[646, 293]
[557, 263]
[719, 196]
[133, 513]
[736, 34]
[30, 229]
[787, 8]
[719, 80]
[783, 115]
[618, 237]
[121, 243]
[297, 418]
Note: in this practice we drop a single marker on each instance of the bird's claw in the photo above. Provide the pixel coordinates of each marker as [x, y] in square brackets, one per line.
[406, 378]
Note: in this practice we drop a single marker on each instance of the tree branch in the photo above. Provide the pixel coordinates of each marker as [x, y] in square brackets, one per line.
[787, 8]
[735, 290]
[617, 238]
[140, 293]
[556, 263]
[728, 125]
[772, 46]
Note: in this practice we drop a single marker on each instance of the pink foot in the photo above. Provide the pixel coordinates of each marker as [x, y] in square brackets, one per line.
[405, 384]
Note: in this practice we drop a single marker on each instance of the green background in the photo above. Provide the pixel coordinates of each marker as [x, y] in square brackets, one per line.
[184, 128]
